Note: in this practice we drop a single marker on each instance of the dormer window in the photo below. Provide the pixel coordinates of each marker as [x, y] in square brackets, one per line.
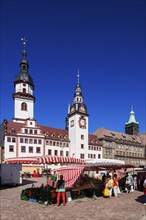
[13, 131]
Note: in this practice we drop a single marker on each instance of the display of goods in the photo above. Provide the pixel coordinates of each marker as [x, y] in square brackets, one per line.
[39, 195]
[81, 193]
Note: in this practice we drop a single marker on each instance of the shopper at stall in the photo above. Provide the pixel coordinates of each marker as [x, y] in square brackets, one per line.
[135, 182]
[60, 186]
[109, 185]
[115, 185]
[144, 186]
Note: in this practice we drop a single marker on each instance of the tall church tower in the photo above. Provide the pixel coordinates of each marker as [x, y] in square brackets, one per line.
[24, 87]
[132, 127]
[77, 125]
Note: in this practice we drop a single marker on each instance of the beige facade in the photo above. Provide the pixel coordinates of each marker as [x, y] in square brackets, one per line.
[116, 145]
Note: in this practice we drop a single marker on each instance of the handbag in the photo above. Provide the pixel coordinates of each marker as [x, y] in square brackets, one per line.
[105, 192]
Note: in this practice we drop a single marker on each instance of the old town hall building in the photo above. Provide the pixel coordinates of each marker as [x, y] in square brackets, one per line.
[24, 137]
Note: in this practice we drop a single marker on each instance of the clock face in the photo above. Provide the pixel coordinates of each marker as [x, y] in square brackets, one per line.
[82, 109]
[82, 123]
[72, 109]
[24, 76]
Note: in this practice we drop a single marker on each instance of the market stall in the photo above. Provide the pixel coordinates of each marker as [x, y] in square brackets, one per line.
[75, 172]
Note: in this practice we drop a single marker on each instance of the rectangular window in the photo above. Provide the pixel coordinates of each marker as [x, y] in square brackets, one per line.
[82, 137]
[35, 141]
[40, 141]
[11, 148]
[21, 140]
[61, 153]
[47, 142]
[82, 146]
[30, 131]
[8, 139]
[82, 156]
[67, 153]
[13, 139]
[89, 155]
[23, 149]
[53, 143]
[30, 141]
[49, 152]
[26, 140]
[99, 156]
[38, 150]
[30, 150]
[56, 152]
[50, 143]
[35, 131]
[26, 131]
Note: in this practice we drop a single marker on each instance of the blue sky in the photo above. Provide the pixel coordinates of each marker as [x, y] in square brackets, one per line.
[104, 39]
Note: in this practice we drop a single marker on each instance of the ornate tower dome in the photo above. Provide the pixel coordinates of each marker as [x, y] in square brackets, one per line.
[24, 87]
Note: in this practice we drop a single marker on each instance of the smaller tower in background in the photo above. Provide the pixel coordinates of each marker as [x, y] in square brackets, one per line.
[24, 87]
[132, 126]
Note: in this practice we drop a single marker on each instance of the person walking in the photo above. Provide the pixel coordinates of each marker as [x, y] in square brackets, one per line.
[60, 186]
[115, 185]
[144, 186]
[109, 185]
[135, 182]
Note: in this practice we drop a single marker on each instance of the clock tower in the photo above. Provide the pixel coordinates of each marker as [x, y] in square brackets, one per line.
[77, 125]
[24, 87]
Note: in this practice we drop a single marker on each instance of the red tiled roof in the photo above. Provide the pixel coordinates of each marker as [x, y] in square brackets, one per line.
[143, 138]
[51, 133]
[103, 133]
[92, 139]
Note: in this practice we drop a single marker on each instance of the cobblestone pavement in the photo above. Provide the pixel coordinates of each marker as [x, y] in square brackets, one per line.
[124, 207]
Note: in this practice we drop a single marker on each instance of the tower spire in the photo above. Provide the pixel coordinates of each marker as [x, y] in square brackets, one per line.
[24, 41]
[78, 76]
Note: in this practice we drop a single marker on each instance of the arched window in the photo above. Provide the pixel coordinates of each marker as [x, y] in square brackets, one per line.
[24, 90]
[24, 106]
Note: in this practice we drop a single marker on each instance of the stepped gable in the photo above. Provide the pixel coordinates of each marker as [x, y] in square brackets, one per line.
[117, 136]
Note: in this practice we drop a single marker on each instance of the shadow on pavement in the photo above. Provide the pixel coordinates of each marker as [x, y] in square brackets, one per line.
[140, 199]
[24, 182]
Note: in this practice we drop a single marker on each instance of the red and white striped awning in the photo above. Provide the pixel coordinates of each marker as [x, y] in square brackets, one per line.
[70, 174]
[22, 160]
[63, 160]
[44, 160]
